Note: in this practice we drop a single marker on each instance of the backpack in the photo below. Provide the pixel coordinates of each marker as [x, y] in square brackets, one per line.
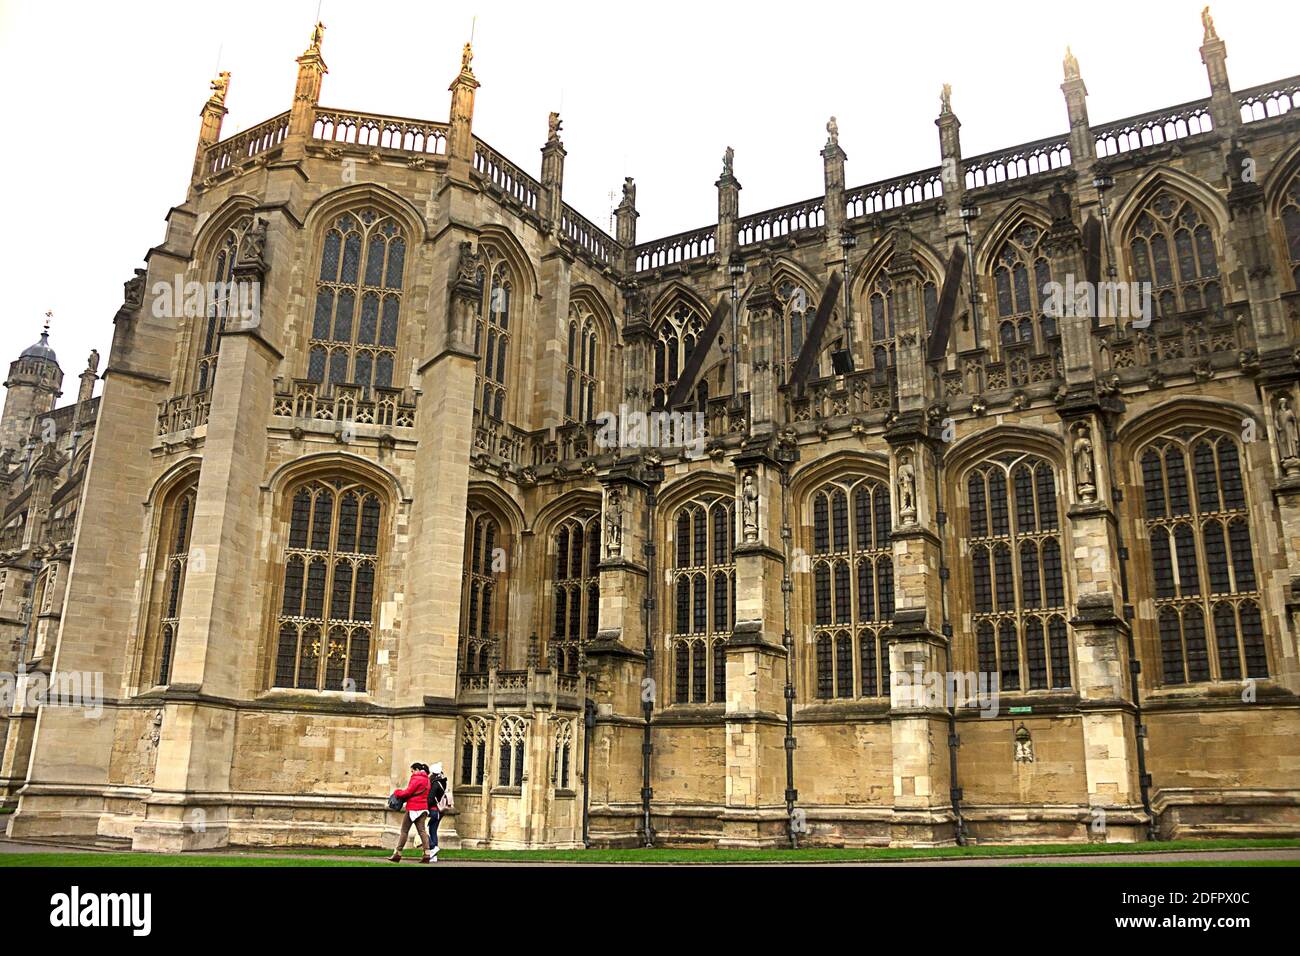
[443, 803]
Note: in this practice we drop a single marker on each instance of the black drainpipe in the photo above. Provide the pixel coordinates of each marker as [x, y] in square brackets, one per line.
[653, 475]
[787, 457]
[589, 724]
[954, 741]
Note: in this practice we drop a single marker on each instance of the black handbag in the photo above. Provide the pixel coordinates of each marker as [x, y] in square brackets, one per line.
[395, 802]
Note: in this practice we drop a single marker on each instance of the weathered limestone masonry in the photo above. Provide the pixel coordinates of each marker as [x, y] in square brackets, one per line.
[401, 457]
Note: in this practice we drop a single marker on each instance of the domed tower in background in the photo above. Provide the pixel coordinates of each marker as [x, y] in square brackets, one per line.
[34, 385]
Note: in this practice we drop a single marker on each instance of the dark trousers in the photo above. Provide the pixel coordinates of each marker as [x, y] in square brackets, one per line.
[420, 828]
[436, 817]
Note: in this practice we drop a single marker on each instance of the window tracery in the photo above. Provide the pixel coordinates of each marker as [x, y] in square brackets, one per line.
[1206, 590]
[703, 585]
[329, 586]
[853, 587]
[1018, 598]
[358, 301]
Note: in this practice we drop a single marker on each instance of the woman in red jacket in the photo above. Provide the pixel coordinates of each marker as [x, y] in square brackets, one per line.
[416, 795]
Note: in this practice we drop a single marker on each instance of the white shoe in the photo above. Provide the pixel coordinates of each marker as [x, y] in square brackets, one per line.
[433, 854]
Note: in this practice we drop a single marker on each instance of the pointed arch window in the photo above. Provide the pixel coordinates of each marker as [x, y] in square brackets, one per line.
[354, 326]
[1206, 591]
[575, 587]
[172, 549]
[329, 586]
[1017, 584]
[223, 305]
[1290, 218]
[492, 334]
[563, 756]
[797, 312]
[1020, 275]
[580, 370]
[473, 752]
[703, 589]
[512, 738]
[1172, 246]
[879, 315]
[483, 592]
[853, 587]
[674, 343]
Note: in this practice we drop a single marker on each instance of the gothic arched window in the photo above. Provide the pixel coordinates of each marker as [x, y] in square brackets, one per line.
[1018, 600]
[174, 553]
[329, 586]
[575, 588]
[358, 301]
[223, 303]
[703, 599]
[878, 316]
[580, 373]
[482, 591]
[675, 340]
[853, 587]
[492, 334]
[560, 769]
[797, 312]
[511, 739]
[1290, 217]
[1207, 595]
[473, 752]
[1020, 274]
[1172, 247]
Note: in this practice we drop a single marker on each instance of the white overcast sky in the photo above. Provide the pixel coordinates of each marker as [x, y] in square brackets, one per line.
[100, 102]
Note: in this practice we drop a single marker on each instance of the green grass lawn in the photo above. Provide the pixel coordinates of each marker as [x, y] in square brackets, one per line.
[167, 859]
[816, 855]
[317, 856]
[1196, 863]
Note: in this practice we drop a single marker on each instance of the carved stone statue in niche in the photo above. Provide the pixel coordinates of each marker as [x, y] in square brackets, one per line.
[749, 506]
[467, 267]
[1085, 472]
[614, 525]
[1288, 437]
[252, 245]
[906, 491]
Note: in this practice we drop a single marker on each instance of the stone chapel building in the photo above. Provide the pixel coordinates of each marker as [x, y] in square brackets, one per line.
[380, 517]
